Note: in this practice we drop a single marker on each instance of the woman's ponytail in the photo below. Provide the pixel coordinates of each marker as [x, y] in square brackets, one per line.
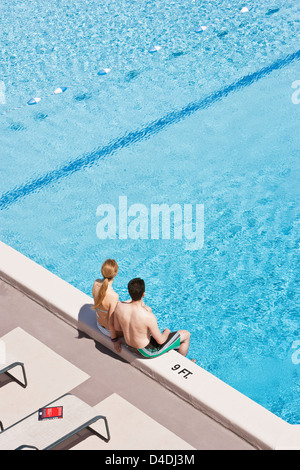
[102, 293]
[109, 270]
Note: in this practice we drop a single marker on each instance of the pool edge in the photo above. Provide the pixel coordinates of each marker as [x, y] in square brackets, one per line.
[204, 391]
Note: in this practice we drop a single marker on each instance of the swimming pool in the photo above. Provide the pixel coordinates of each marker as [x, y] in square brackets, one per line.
[207, 119]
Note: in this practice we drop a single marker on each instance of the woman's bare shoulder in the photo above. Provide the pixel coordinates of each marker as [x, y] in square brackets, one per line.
[113, 294]
[96, 285]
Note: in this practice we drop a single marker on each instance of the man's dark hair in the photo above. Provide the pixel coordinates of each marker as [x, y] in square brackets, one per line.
[136, 288]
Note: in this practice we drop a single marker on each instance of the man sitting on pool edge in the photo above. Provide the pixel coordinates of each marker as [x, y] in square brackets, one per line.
[140, 328]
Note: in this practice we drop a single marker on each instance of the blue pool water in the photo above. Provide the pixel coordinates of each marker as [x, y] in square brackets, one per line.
[208, 119]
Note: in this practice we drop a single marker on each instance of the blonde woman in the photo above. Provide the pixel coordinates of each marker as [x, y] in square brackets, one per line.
[106, 299]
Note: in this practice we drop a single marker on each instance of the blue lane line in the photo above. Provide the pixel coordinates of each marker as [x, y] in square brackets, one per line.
[12, 196]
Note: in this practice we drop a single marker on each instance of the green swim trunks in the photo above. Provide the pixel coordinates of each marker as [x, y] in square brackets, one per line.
[153, 349]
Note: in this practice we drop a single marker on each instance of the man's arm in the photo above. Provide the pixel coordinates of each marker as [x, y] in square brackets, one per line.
[116, 323]
[155, 331]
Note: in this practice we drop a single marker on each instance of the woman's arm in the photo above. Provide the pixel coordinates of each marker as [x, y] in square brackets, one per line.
[112, 324]
[96, 287]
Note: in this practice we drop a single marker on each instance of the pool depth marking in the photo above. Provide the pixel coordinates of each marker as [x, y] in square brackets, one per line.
[87, 160]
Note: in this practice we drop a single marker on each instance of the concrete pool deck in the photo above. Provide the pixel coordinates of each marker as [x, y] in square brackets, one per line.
[188, 407]
[106, 375]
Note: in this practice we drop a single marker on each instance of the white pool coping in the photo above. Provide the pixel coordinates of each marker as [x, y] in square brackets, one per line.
[204, 391]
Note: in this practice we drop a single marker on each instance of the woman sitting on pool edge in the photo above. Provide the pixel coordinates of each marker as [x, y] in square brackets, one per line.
[105, 298]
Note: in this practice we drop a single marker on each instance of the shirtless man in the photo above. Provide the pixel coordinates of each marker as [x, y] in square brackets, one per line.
[140, 327]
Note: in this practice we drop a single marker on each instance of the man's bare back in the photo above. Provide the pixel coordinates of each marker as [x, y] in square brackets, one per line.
[137, 322]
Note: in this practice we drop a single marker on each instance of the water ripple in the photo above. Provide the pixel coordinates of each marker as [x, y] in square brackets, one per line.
[12, 196]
